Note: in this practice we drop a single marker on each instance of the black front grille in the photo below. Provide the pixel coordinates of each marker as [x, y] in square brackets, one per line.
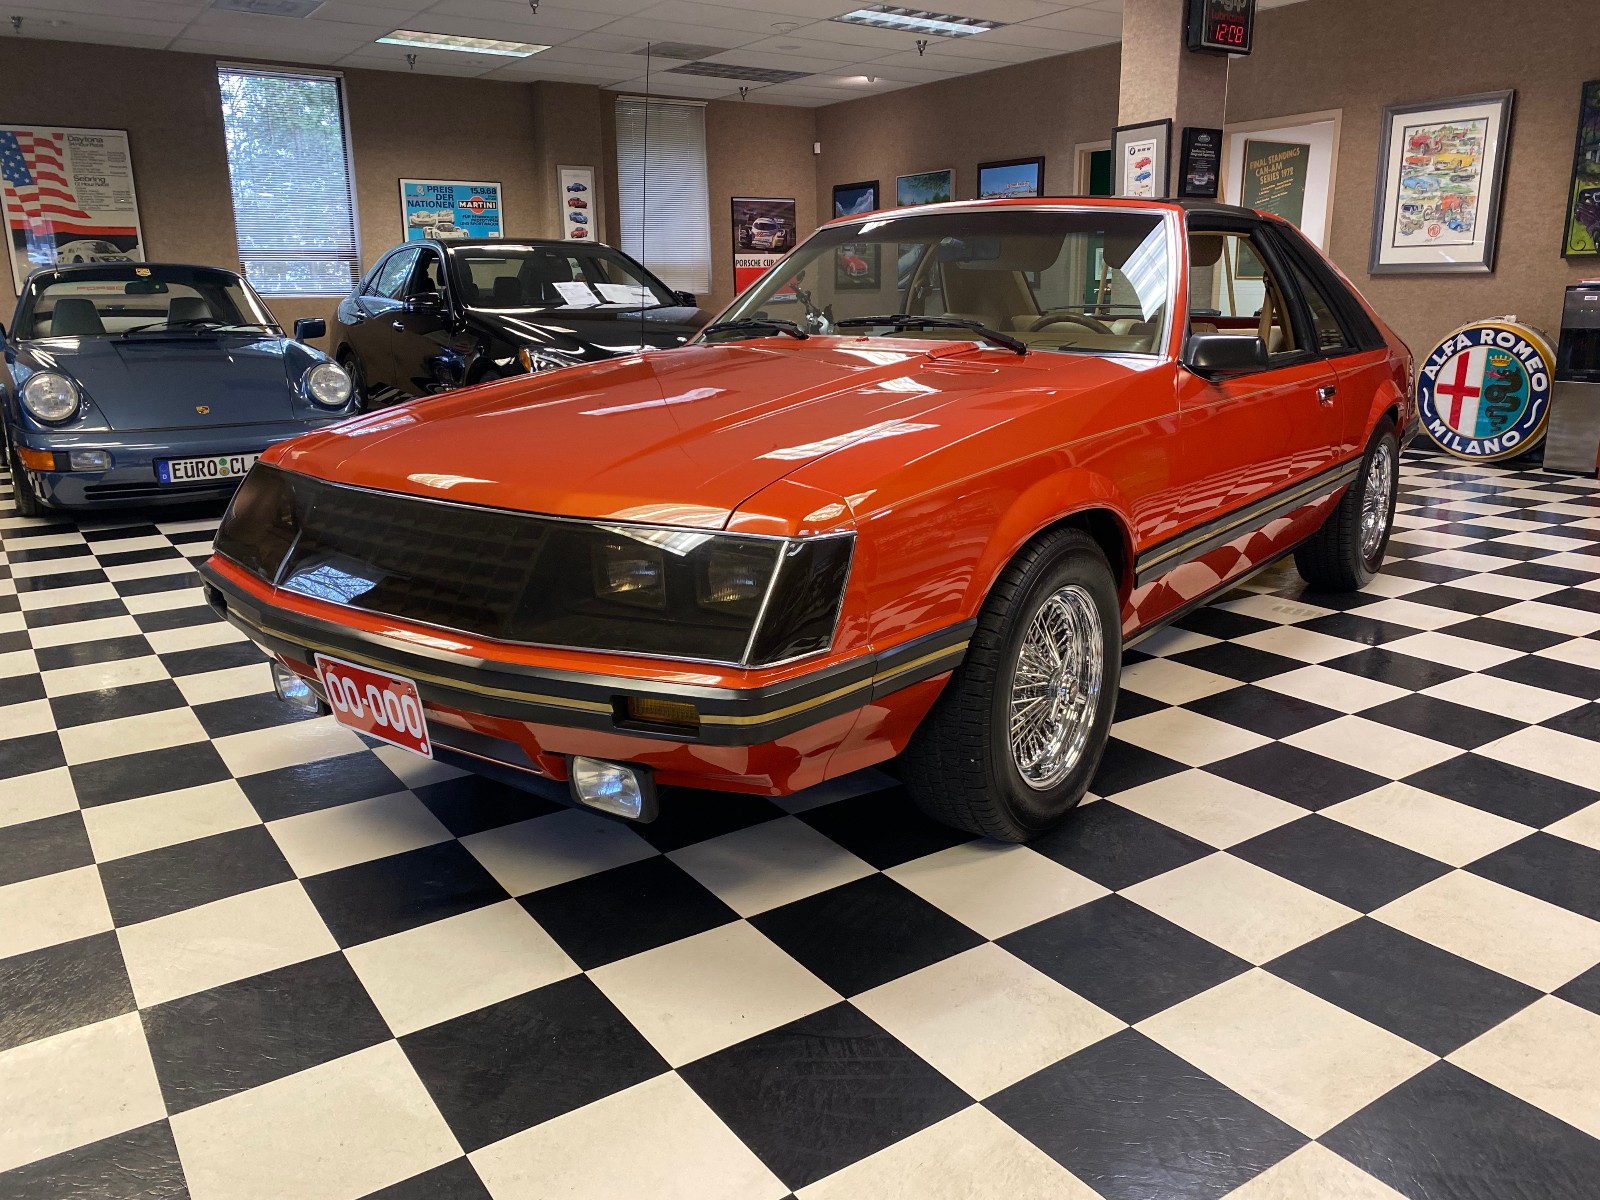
[151, 491]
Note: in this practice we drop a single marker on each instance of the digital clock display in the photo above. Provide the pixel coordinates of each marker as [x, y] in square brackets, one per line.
[1221, 26]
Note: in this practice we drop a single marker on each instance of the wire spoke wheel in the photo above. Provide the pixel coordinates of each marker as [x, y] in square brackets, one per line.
[1377, 494]
[1055, 687]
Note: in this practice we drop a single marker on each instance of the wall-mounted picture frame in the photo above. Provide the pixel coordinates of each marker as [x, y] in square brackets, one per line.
[855, 199]
[1011, 178]
[1200, 163]
[1441, 172]
[1141, 159]
[580, 206]
[449, 209]
[1580, 238]
[925, 187]
[764, 230]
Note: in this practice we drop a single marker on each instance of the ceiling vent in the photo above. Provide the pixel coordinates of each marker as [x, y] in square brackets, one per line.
[687, 51]
[270, 8]
[730, 71]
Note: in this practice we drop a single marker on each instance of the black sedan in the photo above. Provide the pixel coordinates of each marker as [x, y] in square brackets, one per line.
[434, 315]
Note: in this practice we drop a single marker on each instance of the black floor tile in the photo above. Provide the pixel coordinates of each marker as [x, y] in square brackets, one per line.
[19, 689]
[1501, 788]
[512, 1065]
[456, 1180]
[23, 553]
[1527, 638]
[471, 804]
[69, 614]
[1220, 623]
[1123, 957]
[1427, 996]
[1461, 600]
[625, 911]
[150, 585]
[1448, 1135]
[389, 895]
[1549, 867]
[124, 558]
[1581, 722]
[1544, 573]
[232, 1038]
[1584, 991]
[1116, 847]
[1452, 724]
[43, 847]
[1125, 766]
[885, 828]
[1268, 713]
[212, 658]
[157, 883]
[1136, 1122]
[1353, 627]
[137, 1165]
[175, 618]
[865, 933]
[1344, 864]
[241, 714]
[84, 654]
[144, 774]
[689, 815]
[29, 753]
[326, 783]
[1552, 675]
[1399, 670]
[1426, 572]
[1580, 598]
[125, 700]
[36, 584]
[822, 1092]
[1296, 775]
[61, 987]
[1131, 704]
[1232, 661]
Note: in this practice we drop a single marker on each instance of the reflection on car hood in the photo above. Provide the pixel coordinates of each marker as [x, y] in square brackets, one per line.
[606, 330]
[153, 382]
[680, 437]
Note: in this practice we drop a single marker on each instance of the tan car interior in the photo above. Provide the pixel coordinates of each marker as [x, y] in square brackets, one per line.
[1223, 301]
[98, 315]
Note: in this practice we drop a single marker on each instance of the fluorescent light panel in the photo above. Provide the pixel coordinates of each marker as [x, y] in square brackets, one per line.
[452, 41]
[915, 20]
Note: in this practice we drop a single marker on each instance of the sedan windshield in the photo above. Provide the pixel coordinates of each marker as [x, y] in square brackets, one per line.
[126, 299]
[1077, 281]
[504, 277]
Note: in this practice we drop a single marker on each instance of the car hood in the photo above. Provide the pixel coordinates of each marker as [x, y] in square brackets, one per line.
[682, 437]
[154, 382]
[595, 331]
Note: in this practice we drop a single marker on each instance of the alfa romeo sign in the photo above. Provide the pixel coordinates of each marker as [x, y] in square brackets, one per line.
[1484, 392]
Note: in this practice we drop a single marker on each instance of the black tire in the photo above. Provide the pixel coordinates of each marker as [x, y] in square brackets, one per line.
[1333, 559]
[23, 497]
[358, 380]
[959, 766]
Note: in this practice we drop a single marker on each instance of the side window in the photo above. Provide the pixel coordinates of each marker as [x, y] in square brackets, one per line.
[1330, 335]
[429, 275]
[392, 276]
[1232, 290]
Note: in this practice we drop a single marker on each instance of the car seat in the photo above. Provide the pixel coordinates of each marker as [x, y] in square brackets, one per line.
[75, 316]
[188, 308]
[508, 292]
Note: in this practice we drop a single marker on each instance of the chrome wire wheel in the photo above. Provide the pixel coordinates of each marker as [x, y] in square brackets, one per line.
[1376, 497]
[1055, 688]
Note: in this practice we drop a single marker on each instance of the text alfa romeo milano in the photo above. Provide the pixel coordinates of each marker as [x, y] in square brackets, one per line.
[913, 513]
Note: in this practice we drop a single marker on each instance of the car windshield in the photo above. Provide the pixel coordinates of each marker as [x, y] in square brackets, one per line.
[1076, 281]
[547, 277]
[127, 299]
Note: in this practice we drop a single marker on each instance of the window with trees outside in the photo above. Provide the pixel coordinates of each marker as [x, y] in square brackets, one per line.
[289, 165]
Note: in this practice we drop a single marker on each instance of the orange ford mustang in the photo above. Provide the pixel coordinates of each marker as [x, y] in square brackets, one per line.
[913, 510]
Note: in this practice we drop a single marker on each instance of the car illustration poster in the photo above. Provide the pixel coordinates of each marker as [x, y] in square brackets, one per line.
[450, 209]
[68, 197]
[579, 205]
[1581, 238]
[1142, 155]
[763, 232]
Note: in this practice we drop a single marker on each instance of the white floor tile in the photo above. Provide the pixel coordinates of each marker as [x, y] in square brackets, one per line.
[41, 794]
[1582, 827]
[1453, 651]
[166, 818]
[1518, 701]
[103, 677]
[769, 864]
[286, 745]
[1187, 736]
[329, 838]
[1172, 682]
[995, 888]
[73, 633]
[1546, 1055]
[1332, 688]
[1433, 825]
[131, 735]
[1314, 1172]
[1373, 746]
[557, 848]
[1218, 811]
[50, 909]
[1549, 752]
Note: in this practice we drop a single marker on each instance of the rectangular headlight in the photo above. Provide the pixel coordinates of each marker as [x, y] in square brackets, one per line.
[732, 579]
[629, 572]
[261, 522]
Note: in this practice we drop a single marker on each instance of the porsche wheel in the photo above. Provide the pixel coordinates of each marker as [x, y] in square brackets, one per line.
[23, 497]
[1010, 746]
[1347, 551]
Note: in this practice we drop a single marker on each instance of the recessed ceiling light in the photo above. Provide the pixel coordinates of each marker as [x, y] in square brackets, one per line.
[712, 70]
[270, 8]
[915, 20]
[470, 45]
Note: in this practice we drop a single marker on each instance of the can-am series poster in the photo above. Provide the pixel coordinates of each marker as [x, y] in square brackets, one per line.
[68, 197]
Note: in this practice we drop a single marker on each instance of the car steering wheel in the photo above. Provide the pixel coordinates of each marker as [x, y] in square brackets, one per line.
[1088, 322]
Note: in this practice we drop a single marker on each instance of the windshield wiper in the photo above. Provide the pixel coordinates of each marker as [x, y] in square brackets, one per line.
[751, 326]
[195, 323]
[906, 321]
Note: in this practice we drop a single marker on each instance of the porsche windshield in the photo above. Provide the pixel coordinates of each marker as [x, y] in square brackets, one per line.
[113, 300]
[1086, 281]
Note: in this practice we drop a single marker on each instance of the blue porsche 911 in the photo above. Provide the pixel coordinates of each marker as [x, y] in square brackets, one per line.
[146, 382]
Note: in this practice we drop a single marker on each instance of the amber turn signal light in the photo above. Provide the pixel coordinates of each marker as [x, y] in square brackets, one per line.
[649, 711]
[37, 460]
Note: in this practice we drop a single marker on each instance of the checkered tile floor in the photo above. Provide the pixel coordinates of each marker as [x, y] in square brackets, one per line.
[1331, 930]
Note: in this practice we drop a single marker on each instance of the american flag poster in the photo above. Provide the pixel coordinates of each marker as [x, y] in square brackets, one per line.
[68, 197]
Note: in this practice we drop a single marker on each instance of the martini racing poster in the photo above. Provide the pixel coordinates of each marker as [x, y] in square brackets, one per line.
[449, 208]
[68, 197]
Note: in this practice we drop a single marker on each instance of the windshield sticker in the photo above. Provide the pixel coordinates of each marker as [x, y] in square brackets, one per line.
[577, 295]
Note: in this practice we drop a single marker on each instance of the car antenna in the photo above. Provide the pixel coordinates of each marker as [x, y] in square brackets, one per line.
[644, 190]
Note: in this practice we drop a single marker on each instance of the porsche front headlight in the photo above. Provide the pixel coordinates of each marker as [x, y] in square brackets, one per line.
[50, 396]
[329, 385]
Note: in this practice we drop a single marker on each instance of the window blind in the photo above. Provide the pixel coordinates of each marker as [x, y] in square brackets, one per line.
[293, 198]
[661, 184]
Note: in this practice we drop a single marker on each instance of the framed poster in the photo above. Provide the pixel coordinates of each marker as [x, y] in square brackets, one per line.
[1011, 177]
[1273, 181]
[449, 208]
[1200, 164]
[68, 197]
[1320, 132]
[1441, 168]
[1581, 236]
[855, 199]
[579, 205]
[1140, 158]
[763, 232]
[928, 187]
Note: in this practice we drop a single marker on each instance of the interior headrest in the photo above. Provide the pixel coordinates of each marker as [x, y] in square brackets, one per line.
[1205, 249]
[75, 316]
[507, 291]
[188, 308]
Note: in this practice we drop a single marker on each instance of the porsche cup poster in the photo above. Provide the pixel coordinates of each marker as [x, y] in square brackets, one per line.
[68, 197]
[763, 232]
[450, 209]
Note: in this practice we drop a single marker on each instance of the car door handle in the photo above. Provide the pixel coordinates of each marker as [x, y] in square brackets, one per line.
[398, 326]
[1326, 393]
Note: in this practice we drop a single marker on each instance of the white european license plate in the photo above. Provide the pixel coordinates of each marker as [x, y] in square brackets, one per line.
[203, 470]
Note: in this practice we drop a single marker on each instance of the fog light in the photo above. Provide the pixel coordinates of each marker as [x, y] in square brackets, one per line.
[293, 690]
[649, 711]
[613, 788]
[89, 460]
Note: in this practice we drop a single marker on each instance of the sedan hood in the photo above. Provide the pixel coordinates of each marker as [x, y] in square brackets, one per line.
[610, 331]
[155, 382]
[681, 437]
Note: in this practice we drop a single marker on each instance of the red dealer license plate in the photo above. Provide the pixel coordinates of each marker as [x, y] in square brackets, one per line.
[387, 707]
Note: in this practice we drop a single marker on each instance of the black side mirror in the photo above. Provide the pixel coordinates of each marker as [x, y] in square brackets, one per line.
[684, 298]
[425, 302]
[307, 328]
[1222, 355]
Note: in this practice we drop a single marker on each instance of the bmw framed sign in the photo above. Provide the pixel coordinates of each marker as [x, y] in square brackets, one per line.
[1484, 392]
